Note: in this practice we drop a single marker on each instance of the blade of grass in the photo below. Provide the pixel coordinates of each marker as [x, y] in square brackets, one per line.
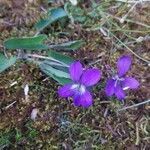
[135, 105]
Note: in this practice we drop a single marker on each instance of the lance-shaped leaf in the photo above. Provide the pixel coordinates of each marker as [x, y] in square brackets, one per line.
[6, 62]
[60, 80]
[52, 16]
[60, 57]
[57, 65]
[58, 73]
[72, 45]
[50, 1]
[45, 66]
[28, 43]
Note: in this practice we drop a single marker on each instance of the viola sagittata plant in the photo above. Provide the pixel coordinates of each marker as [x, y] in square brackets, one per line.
[82, 79]
[118, 83]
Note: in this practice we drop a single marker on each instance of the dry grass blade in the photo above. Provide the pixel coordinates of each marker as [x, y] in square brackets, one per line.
[135, 105]
[146, 61]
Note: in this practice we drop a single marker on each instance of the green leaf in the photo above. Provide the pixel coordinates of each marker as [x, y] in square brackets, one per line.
[5, 62]
[56, 72]
[73, 45]
[60, 76]
[60, 80]
[56, 65]
[50, 1]
[28, 43]
[53, 15]
[65, 59]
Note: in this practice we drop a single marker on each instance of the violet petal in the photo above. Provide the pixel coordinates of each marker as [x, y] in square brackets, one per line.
[85, 100]
[119, 92]
[130, 82]
[77, 100]
[76, 71]
[110, 87]
[65, 91]
[90, 77]
[123, 65]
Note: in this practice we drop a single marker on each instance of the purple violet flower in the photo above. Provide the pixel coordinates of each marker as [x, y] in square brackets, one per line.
[82, 79]
[118, 83]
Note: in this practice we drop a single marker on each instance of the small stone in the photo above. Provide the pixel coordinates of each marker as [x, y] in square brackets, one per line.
[34, 114]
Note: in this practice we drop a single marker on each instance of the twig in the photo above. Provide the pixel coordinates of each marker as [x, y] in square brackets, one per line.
[37, 33]
[48, 58]
[10, 105]
[98, 59]
[128, 20]
[95, 61]
[12, 84]
[135, 105]
[26, 91]
[138, 40]
[147, 61]
[134, 1]
[4, 50]
[126, 15]
[137, 134]
[38, 56]
[7, 23]
[106, 112]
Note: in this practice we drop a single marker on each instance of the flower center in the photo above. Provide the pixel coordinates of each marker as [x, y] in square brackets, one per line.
[79, 87]
[117, 79]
